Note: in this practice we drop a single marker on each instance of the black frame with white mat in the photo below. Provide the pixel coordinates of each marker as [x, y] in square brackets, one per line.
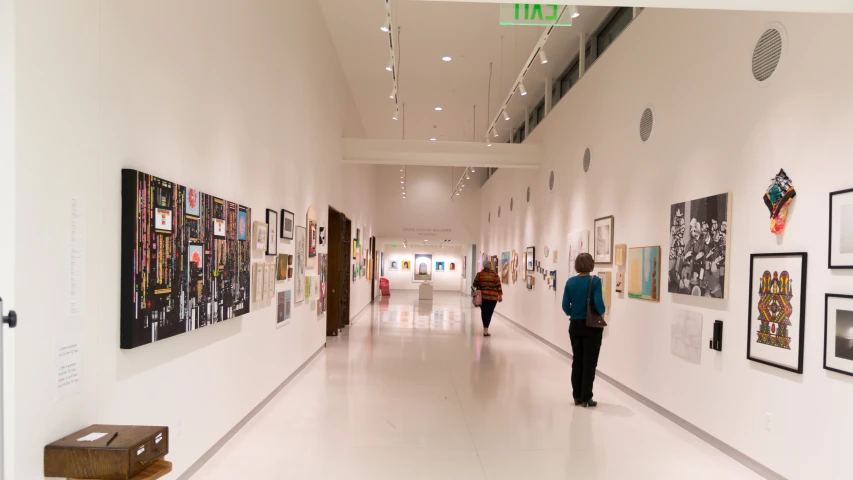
[843, 257]
[841, 343]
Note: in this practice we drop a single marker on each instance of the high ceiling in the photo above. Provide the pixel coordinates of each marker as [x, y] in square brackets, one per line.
[470, 34]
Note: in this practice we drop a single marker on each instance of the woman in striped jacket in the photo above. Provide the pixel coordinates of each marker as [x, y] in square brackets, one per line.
[489, 284]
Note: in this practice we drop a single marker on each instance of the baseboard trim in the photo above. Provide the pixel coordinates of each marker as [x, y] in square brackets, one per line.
[715, 442]
[196, 466]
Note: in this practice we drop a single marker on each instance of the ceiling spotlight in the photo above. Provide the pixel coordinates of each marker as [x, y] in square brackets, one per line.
[506, 116]
[388, 67]
[397, 114]
[472, 170]
[520, 89]
[495, 132]
[394, 92]
[386, 27]
[446, 59]
[573, 10]
[488, 142]
[437, 109]
[402, 181]
[542, 57]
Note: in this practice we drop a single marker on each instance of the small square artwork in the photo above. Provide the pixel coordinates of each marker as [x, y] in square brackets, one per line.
[451, 266]
[272, 228]
[242, 224]
[407, 265]
[603, 243]
[287, 224]
[279, 317]
[531, 281]
[439, 267]
[606, 286]
[620, 282]
[530, 261]
[620, 254]
[686, 335]
[394, 266]
[321, 236]
[219, 228]
[259, 236]
[838, 331]
[841, 229]
[163, 219]
[193, 206]
[281, 267]
[777, 309]
[644, 273]
[552, 279]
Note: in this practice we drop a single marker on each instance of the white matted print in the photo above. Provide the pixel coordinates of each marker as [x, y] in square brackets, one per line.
[686, 335]
[272, 232]
[603, 243]
[841, 229]
[578, 243]
[777, 306]
[838, 331]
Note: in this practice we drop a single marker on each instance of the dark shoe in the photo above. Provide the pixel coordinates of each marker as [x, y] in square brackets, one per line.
[487, 334]
[578, 402]
[590, 403]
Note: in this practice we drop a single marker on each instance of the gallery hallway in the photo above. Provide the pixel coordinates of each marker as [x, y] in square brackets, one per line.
[413, 390]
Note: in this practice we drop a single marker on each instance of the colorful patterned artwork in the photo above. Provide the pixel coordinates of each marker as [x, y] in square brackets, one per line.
[777, 309]
[778, 199]
[505, 259]
[323, 279]
[281, 267]
[698, 242]
[177, 275]
[513, 266]
[644, 273]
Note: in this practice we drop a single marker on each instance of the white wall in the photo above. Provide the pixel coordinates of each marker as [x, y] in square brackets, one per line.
[427, 212]
[244, 100]
[447, 280]
[716, 131]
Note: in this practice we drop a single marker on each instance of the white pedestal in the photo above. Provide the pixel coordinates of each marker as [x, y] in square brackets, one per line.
[425, 292]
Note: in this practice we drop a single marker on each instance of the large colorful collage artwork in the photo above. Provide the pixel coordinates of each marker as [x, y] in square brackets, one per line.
[185, 259]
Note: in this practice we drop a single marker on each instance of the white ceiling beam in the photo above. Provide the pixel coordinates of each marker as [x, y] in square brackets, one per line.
[441, 154]
[819, 6]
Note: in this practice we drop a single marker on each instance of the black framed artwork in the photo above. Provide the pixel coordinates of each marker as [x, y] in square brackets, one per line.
[777, 309]
[841, 229]
[530, 264]
[838, 334]
[272, 228]
[288, 224]
[603, 243]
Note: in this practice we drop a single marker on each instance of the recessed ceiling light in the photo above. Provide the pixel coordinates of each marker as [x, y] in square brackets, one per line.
[437, 109]
[431, 139]
[446, 59]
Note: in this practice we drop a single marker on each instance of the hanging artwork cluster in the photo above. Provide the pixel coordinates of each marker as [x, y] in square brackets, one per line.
[185, 259]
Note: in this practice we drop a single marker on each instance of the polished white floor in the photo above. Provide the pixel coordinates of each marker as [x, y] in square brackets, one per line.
[413, 391]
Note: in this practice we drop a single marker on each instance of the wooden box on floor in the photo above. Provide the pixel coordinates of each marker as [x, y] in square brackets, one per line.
[134, 449]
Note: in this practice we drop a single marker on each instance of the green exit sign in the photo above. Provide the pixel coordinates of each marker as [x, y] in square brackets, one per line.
[537, 14]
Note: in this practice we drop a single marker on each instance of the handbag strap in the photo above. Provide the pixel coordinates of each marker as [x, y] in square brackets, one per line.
[589, 292]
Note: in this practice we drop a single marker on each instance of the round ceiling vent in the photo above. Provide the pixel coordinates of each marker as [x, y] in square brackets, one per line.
[587, 159]
[647, 122]
[767, 53]
[528, 194]
[551, 181]
[511, 202]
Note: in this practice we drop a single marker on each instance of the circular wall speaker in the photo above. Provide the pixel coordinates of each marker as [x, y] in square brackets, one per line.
[490, 217]
[768, 53]
[528, 194]
[551, 181]
[587, 160]
[647, 122]
[511, 202]
[499, 212]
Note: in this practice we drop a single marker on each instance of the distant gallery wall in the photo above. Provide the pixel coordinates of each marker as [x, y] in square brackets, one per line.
[206, 98]
[447, 266]
[716, 129]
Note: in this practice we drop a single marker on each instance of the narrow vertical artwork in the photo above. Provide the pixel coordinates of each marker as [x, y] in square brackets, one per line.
[578, 243]
[513, 266]
[272, 232]
[606, 285]
[299, 267]
[620, 282]
[505, 259]
[311, 251]
[552, 278]
[281, 267]
[279, 318]
[287, 304]
[644, 265]
[185, 259]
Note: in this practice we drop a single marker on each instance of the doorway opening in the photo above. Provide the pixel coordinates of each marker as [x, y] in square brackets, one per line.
[340, 241]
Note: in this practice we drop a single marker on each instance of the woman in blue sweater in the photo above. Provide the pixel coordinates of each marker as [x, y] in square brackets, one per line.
[586, 341]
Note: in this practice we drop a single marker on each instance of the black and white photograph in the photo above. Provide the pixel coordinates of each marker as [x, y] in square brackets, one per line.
[272, 228]
[603, 243]
[288, 224]
[698, 242]
[841, 229]
[321, 236]
[838, 341]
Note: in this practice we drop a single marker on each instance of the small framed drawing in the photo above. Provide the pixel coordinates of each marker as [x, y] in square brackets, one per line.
[259, 236]
[838, 334]
[603, 243]
[620, 253]
[841, 229]
[272, 238]
[777, 309]
[530, 261]
[287, 224]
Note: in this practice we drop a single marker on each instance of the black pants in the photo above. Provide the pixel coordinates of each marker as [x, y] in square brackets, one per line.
[488, 309]
[586, 344]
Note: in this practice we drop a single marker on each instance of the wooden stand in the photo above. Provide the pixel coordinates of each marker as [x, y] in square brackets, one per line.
[156, 470]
